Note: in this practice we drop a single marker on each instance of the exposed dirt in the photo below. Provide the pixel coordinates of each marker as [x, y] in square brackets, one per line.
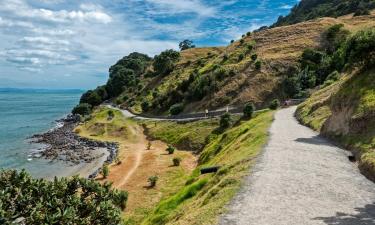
[138, 163]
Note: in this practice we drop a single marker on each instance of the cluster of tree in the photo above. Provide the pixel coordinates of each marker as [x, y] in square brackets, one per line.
[24, 200]
[318, 67]
[124, 74]
[311, 9]
[164, 63]
[186, 44]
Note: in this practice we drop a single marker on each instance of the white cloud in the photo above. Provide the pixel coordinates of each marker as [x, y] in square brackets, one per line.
[182, 6]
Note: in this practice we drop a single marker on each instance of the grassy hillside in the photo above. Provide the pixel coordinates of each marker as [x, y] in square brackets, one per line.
[345, 112]
[312, 9]
[203, 197]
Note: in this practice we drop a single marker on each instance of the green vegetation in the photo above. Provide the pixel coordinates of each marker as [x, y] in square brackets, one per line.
[177, 161]
[164, 63]
[203, 197]
[170, 150]
[152, 180]
[187, 136]
[225, 121]
[248, 110]
[82, 109]
[62, 201]
[311, 9]
[275, 104]
[186, 44]
[105, 171]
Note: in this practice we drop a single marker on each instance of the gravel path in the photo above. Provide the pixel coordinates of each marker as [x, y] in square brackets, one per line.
[302, 179]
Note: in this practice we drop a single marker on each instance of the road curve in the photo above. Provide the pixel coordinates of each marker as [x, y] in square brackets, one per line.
[302, 179]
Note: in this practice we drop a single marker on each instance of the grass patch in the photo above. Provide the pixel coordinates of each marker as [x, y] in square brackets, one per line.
[204, 196]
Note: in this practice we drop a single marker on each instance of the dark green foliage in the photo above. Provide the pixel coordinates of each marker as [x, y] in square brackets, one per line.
[241, 57]
[152, 180]
[248, 110]
[248, 33]
[249, 47]
[119, 81]
[275, 104]
[335, 37]
[311, 9]
[220, 73]
[361, 48]
[177, 161]
[176, 109]
[232, 41]
[145, 105]
[164, 63]
[254, 57]
[258, 65]
[225, 57]
[134, 61]
[105, 171]
[225, 121]
[82, 109]
[61, 201]
[242, 41]
[186, 44]
[170, 150]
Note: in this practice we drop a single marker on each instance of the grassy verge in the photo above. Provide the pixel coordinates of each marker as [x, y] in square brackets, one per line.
[345, 112]
[203, 197]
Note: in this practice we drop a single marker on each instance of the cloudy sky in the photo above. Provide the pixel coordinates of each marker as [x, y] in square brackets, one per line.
[71, 43]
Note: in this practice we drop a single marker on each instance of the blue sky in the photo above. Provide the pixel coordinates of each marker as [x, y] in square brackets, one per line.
[71, 44]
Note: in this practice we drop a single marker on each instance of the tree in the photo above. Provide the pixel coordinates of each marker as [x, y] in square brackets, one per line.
[119, 80]
[361, 48]
[176, 109]
[248, 110]
[186, 44]
[164, 63]
[170, 150]
[82, 109]
[254, 57]
[225, 121]
[258, 65]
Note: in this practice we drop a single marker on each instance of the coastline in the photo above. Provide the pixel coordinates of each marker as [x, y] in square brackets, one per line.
[79, 156]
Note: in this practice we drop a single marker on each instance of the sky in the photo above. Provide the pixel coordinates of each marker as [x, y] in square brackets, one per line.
[70, 44]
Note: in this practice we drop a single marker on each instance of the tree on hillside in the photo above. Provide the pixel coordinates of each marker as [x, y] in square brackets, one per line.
[119, 80]
[186, 44]
[82, 109]
[164, 63]
[248, 110]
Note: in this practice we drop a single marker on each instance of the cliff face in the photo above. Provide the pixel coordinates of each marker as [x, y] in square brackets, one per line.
[345, 112]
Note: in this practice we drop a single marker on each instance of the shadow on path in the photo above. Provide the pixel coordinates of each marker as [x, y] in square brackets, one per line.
[315, 140]
[364, 216]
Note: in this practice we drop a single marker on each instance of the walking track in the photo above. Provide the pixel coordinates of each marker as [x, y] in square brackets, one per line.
[302, 179]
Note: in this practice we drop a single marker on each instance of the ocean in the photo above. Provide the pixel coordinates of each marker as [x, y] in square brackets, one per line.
[25, 112]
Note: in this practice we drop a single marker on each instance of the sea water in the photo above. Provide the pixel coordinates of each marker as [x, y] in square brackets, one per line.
[27, 112]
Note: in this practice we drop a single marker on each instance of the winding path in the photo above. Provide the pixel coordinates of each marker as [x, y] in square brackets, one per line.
[302, 179]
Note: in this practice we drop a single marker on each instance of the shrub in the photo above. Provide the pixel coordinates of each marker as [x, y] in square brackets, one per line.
[250, 47]
[241, 57]
[225, 121]
[177, 161]
[152, 180]
[361, 47]
[105, 171]
[248, 110]
[333, 76]
[225, 57]
[61, 201]
[176, 109]
[248, 33]
[242, 41]
[232, 41]
[111, 114]
[254, 57]
[82, 109]
[258, 65]
[275, 104]
[145, 105]
[170, 149]
[186, 44]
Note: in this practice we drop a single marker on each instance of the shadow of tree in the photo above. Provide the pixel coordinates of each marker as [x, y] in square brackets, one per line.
[364, 216]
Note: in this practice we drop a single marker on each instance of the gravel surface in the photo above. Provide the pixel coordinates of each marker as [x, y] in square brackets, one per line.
[300, 179]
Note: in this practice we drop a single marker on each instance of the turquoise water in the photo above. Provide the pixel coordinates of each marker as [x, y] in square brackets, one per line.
[27, 112]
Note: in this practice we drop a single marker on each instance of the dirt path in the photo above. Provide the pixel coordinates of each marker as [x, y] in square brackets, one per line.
[302, 179]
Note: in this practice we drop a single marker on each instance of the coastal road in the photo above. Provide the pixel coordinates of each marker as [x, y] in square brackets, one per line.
[302, 179]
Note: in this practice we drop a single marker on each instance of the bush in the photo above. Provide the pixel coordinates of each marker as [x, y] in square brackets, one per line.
[225, 57]
[361, 48]
[105, 171]
[225, 121]
[254, 57]
[176, 109]
[275, 104]
[250, 47]
[248, 33]
[152, 180]
[241, 57]
[177, 161]
[111, 114]
[61, 201]
[170, 150]
[82, 109]
[258, 65]
[242, 41]
[248, 110]
[232, 41]
[145, 105]
[333, 76]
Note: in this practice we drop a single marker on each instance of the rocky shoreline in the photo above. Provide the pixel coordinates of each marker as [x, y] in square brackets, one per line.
[62, 144]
